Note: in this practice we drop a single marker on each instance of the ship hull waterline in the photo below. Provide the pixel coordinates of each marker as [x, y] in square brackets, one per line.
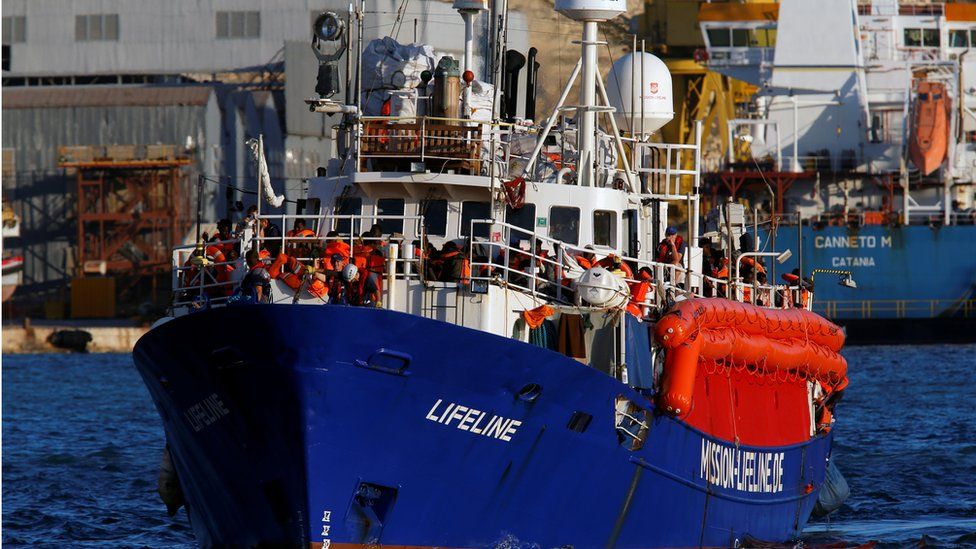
[309, 425]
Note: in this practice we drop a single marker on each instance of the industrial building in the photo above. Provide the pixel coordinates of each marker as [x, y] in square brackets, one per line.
[95, 89]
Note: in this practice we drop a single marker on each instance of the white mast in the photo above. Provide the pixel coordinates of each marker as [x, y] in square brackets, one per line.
[468, 10]
[590, 12]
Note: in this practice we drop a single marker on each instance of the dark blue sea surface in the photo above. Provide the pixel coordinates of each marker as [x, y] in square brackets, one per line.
[82, 444]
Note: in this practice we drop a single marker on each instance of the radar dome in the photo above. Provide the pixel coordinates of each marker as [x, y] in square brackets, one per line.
[472, 5]
[624, 87]
[591, 10]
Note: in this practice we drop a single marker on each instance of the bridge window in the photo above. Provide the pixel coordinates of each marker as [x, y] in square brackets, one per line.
[740, 38]
[387, 207]
[922, 38]
[435, 217]
[719, 38]
[958, 38]
[604, 229]
[725, 37]
[523, 218]
[564, 224]
[349, 206]
[475, 210]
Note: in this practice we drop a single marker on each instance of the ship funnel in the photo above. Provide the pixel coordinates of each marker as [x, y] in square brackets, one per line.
[639, 88]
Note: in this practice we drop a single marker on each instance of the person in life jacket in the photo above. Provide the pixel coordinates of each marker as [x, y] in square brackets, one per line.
[297, 247]
[586, 259]
[223, 233]
[295, 274]
[671, 249]
[638, 292]
[616, 265]
[454, 265]
[225, 273]
[720, 270]
[335, 246]
[216, 270]
[366, 254]
[800, 290]
[359, 289]
[257, 281]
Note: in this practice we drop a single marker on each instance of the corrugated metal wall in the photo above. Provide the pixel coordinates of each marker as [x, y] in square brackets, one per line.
[35, 134]
[45, 196]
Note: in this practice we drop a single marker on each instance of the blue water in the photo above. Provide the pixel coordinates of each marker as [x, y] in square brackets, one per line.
[82, 442]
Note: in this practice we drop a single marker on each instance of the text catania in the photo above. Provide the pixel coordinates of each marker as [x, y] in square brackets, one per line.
[473, 421]
[736, 469]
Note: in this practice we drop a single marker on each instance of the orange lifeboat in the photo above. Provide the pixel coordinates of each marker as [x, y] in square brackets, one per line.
[781, 343]
[929, 140]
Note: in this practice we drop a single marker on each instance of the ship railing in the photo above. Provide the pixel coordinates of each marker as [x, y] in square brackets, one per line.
[898, 308]
[495, 259]
[891, 10]
[196, 276]
[672, 170]
[857, 219]
[309, 250]
[197, 283]
[438, 144]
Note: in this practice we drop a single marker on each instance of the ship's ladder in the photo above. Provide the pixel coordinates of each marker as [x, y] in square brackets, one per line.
[431, 306]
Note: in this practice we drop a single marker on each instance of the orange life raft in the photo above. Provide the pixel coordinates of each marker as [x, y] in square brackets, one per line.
[783, 342]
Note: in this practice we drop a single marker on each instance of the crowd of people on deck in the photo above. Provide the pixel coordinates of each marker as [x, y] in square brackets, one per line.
[331, 269]
[335, 271]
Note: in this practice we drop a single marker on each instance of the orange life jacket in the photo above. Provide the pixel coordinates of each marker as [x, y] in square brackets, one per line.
[608, 264]
[291, 271]
[339, 248]
[638, 293]
[583, 261]
[754, 264]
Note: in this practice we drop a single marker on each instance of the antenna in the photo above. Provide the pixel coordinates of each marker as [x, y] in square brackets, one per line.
[590, 12]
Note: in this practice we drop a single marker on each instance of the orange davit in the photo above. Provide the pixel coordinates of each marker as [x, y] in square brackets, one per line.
[776, 342]
[929, 140]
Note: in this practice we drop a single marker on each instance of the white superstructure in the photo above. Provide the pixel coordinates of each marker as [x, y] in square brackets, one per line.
[837, 84]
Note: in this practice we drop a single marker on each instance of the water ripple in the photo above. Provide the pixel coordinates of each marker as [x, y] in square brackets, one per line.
[81, 445]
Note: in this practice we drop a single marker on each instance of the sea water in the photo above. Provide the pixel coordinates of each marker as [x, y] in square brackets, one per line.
[82, 444]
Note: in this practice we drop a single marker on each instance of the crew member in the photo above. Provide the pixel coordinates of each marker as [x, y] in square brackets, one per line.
[271, 235]
[672, 248]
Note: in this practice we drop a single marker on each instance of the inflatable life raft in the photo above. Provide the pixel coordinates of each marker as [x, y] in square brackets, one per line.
[775, 342]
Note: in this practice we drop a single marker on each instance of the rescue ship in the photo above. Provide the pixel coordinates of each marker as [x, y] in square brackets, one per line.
[476, 341]
[853, 136]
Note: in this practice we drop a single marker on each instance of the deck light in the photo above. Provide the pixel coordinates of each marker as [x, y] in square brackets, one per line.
[328, 27]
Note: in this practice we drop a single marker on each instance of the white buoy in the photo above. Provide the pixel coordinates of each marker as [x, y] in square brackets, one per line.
[601, 288]
[651, 99]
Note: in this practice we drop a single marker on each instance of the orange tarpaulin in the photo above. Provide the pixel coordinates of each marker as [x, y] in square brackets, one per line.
[960, 12]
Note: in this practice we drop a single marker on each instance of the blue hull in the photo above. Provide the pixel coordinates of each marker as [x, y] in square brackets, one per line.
[901, 272]
[288, 426]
